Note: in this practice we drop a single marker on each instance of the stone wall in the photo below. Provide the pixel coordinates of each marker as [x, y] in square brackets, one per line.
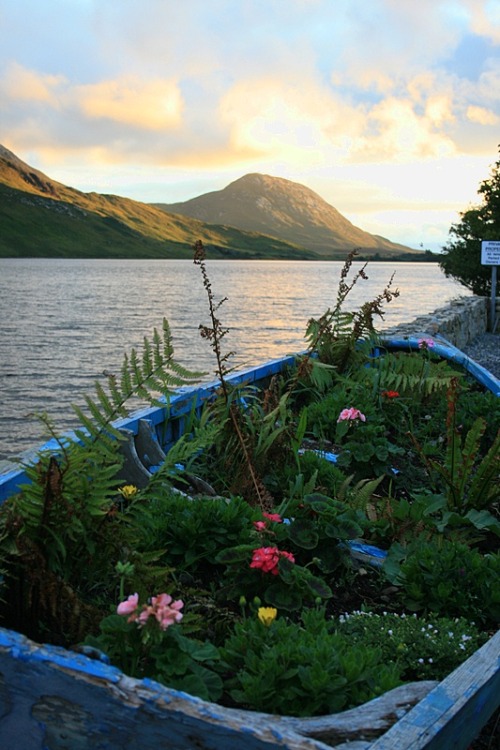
[460, 322]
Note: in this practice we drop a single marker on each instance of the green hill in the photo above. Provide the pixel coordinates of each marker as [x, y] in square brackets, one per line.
[40, 217]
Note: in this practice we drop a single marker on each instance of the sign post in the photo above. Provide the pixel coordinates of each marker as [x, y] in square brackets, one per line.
[490, 256]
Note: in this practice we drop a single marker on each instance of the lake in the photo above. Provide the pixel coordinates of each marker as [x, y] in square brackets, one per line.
[64, 322]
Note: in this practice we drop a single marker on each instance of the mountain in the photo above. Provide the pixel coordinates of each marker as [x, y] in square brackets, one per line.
[40, 217]
[288, 211]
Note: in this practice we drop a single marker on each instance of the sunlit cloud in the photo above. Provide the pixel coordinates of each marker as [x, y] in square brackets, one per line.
[151, 105]
[485, 18]
[482, 116]
[21, 84]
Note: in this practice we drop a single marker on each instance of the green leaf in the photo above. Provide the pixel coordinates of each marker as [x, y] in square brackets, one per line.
[303, 533]
[241, 553]
[483, 519]
[283, 597]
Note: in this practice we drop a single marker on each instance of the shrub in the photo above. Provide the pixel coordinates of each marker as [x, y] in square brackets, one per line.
[302, 669]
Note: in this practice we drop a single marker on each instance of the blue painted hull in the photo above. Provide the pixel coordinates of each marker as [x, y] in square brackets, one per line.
[53, 698]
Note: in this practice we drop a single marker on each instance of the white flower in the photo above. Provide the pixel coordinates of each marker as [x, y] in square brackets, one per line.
[420, 661]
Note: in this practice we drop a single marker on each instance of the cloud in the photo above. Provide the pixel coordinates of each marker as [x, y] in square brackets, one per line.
[151, 105]
[484, 18]
[21, 84]
[482, 116]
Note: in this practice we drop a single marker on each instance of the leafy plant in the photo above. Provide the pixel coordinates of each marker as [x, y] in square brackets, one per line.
[335, 336]
[301, 668]
[149, 643]
[59, 539]
[423, 648]
[316, 527]
[192, 533]
[447, 578]
[471, 481]
[271, 574]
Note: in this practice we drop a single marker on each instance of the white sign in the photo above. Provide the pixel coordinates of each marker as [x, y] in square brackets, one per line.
[490, 253]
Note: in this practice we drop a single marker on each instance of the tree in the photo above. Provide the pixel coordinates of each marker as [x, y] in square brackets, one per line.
[462, 256]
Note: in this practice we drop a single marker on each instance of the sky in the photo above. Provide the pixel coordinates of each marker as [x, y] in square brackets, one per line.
[388, 109]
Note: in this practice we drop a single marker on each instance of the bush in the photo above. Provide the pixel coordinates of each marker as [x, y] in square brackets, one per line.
[451, 579]
[423, 648]
[302, 669]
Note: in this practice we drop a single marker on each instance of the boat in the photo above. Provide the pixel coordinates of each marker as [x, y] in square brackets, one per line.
[55, 698]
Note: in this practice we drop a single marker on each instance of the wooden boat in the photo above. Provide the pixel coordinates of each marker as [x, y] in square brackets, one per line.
[57, 699]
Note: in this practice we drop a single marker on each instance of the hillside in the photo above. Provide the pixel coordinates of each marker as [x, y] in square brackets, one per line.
[40, 217]
[288, 211]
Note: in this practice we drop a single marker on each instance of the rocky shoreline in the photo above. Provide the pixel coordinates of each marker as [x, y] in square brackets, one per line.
[485, 350]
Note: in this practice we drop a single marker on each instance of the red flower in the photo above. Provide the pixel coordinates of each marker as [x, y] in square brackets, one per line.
[267, 559]
[262, 525]
[273, 517]
[390, 394]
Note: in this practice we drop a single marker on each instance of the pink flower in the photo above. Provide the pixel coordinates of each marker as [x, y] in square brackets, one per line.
[425, 343]
[144, 616]
[351, 414]
[267, 559]
[166, 611]
[129, 606]
[273, 517]
[260, 525]
[162, 608]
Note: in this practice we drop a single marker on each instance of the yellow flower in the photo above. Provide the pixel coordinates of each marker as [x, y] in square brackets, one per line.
[128, 491]
[267, 615]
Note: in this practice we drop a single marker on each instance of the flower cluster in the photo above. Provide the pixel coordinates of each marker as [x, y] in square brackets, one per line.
[390, 394]
[262, 525]
[162, 608]
[267, 559]
[425, 343]
[351, 413]
[427, 650]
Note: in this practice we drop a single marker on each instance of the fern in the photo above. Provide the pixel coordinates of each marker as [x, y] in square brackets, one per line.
[56, 529]
[471, 482]
[361, 494]
[408, 374]
[150, 376]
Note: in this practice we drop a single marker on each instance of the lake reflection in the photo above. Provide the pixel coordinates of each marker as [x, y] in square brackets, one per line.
[66, 321]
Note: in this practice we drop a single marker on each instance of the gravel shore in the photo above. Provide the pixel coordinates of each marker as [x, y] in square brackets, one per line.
[485, 350]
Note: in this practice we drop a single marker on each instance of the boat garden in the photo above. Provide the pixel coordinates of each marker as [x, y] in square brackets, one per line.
[292, 556]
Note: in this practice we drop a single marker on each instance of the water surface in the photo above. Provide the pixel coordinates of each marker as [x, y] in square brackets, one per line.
[64, 322]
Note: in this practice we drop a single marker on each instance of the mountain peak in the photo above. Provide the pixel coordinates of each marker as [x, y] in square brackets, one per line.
[286, 210]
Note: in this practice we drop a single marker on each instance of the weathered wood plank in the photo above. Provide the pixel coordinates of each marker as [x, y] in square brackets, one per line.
[455, 711]
[365, 722]
[52, 698]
